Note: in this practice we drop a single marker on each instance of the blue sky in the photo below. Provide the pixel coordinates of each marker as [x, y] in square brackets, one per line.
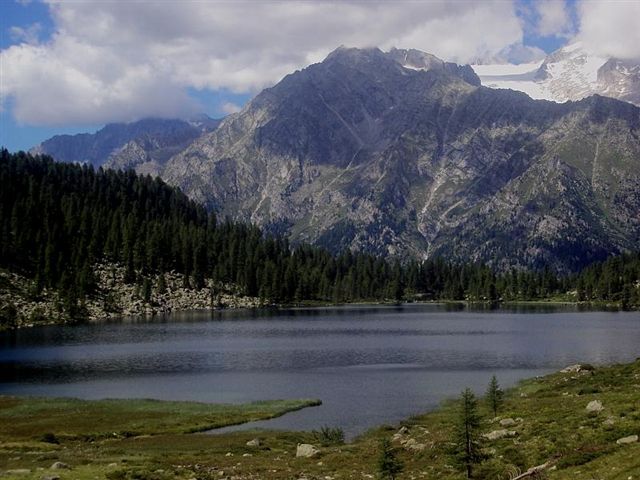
[74, 66]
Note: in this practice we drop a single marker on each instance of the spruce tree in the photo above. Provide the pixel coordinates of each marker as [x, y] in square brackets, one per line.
[389, 465]
[467, 451]
[495, 395]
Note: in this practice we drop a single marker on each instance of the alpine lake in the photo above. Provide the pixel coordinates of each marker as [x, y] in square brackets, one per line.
[368, 364]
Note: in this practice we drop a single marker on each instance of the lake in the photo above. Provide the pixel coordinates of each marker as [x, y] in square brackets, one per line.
[368, 364]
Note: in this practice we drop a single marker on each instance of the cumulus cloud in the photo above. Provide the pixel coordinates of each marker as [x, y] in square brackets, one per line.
[611, 28]
[115, 61]
[553, 18]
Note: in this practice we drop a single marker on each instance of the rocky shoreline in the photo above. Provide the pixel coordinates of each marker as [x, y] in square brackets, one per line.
[113, 298]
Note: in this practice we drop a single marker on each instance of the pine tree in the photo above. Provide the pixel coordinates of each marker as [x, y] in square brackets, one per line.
[389, 465]
[495, 395]
[468, 448]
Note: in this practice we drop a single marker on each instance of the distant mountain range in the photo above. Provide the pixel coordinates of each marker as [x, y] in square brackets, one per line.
[405, 155]
[144, 145]
[570, 73]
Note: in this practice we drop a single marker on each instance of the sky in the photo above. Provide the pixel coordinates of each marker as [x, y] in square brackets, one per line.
[73, 66]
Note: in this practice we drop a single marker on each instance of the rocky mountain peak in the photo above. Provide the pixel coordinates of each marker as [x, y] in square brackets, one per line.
[398, 154]
[362, 152]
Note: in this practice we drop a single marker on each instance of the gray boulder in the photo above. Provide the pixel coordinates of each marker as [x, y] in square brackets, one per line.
[629, 439]
[594, 406]
[254, 443]
[306, 450]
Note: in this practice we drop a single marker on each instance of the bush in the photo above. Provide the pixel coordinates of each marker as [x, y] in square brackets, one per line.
[588, 390]
[329, 436]
[49, 438]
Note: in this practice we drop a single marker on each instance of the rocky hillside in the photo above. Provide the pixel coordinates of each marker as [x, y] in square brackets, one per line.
[371, 152]
[113, 298]
[145, 145]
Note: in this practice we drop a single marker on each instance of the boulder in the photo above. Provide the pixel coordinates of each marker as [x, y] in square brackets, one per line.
[629, 439]
[507, 422]
[403, 431]
[254, 443]
[59, 466]
[571, 368]
[416, 447]
[409, 442]
[306, 450]
[594, 406]
[498, 434]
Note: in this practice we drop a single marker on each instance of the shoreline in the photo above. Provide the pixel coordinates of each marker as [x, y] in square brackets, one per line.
[230, 302]
[579, 422]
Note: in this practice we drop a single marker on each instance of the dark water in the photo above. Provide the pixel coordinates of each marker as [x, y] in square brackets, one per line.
[369, 365]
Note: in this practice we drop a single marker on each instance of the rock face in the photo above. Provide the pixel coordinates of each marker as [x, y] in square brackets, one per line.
[398, 154]
[306, 450]
[144, 145]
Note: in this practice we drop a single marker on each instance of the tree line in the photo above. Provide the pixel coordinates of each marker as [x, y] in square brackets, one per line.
[58, 219]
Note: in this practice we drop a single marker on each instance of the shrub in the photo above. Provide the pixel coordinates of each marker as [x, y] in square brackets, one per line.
[49, 438]
[329, 436]
[389, 465]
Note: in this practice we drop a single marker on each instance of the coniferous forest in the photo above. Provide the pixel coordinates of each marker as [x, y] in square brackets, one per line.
[57, 220]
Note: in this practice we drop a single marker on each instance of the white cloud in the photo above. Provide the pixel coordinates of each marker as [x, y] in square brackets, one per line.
[114, 60]
[28, 35]
[553, 18]
[230, 107]
[611, 28]
[515, 54]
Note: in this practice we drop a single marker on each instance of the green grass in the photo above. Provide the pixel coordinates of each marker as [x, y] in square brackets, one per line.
[553, 426]
[25, 418]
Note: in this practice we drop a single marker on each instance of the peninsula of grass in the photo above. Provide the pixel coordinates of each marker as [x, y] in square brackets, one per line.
[59, 419]
[542, 422]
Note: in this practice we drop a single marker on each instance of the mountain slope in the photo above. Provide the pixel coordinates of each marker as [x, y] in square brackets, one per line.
[361, 152]
[570, 73]
[145, 144]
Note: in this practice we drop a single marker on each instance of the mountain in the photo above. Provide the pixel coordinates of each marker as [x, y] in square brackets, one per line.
[570, 73]
[418, 60]
[362, 152]
[145, 144]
